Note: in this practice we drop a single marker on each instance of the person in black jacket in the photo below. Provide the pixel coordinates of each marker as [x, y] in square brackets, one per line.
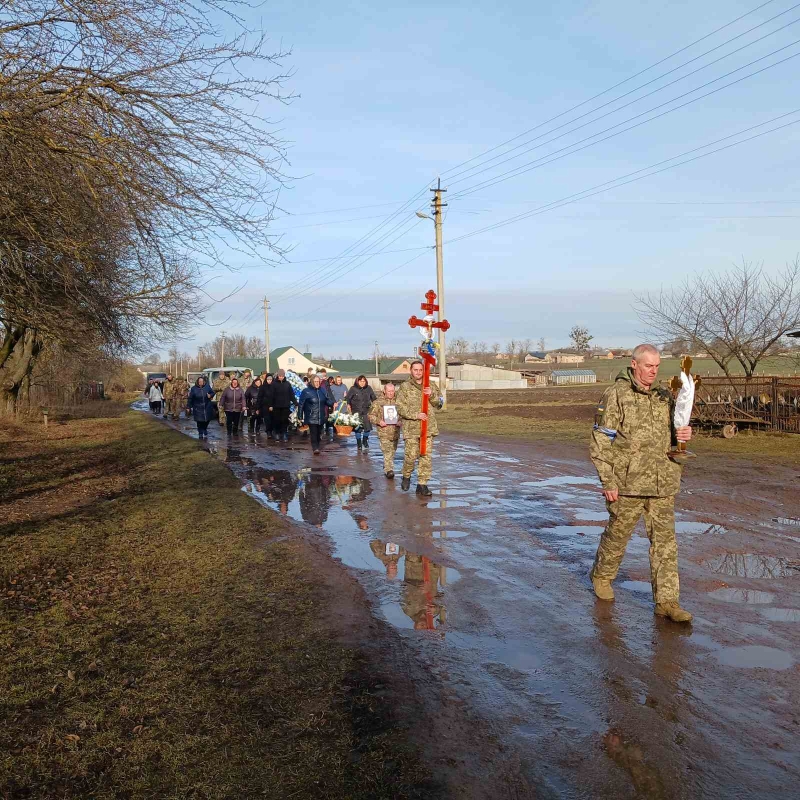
[282, 402]
[251, 398]
[264, 403]
[360, 398]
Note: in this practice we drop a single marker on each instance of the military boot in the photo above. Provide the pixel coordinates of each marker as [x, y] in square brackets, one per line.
[602, 589]
[390, 474]
[423, 490]
[405, 483]
[672, 611]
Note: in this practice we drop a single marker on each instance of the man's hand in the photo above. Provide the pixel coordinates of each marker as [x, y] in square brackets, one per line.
[427, 391]
[382, 424]
[422, 416]
[612, 495]
[684, 434]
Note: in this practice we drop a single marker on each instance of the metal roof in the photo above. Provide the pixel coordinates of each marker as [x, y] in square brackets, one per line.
[558, 373]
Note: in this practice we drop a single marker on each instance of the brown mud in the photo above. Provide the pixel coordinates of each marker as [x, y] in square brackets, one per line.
[560, 694]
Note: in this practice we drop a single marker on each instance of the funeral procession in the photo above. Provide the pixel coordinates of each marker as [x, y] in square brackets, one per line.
[399, 402]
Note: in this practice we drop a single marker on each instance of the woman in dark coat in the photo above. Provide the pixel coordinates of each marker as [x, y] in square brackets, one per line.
[360, 398]
[314, 402]
[233, 403]
[251, 398]
[199, 403]
[264, 404]
[281, 405]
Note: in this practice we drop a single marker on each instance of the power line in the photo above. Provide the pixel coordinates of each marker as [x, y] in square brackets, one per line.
[476, 171]
[610, 89]
[621, 181]
[549, 158]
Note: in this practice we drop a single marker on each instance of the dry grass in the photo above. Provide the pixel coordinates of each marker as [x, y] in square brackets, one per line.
[158, 642]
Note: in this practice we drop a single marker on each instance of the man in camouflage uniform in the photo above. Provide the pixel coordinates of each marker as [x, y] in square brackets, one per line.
[388, 434]
[632, 433]
[220, 385]
[409, 406]
[244, 382]
[182, 392]
[170, 405]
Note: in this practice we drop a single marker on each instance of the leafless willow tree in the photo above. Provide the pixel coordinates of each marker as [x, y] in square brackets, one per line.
[736, 316]
[132, 148]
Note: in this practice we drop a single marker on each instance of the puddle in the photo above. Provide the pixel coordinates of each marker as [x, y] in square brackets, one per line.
[504, 459]
[699, 527]
[563, 480]
[742, 596]
[787, 520]
[642, 587]
[754, 657]
[781, 614]
[476, 478]
[443, 502]
[444, 492]
[591, 516]
[750, 565]
[415, 583]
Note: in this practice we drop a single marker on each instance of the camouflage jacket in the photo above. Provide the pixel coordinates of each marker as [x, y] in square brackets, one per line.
[169, 389]
[220, 385]
[376, 415]
[409, 404]
[182, 390]
[632, 433]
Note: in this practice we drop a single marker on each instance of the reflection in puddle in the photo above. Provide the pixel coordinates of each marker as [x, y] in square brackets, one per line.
[749, 565]
[332, 502]
[476, 478]
[637, 586]
[742, 596]
[629, 756]
[591, 516]
[699, 527]
[754, 656]
[563, 480]
[781, 614]
[446, 492]
[443, 502]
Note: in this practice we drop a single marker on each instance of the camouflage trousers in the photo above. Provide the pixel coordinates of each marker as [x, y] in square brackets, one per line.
[389, 438]
[222, 415]
[172, 407]
[425, 469]
[659, 522]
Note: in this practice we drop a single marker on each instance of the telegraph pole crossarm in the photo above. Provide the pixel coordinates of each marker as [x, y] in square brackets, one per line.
[437, 206]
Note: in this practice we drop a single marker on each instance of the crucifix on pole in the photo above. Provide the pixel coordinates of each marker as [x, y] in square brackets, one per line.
[427, 352]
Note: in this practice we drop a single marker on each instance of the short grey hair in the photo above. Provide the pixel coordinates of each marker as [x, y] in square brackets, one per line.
[643, 349]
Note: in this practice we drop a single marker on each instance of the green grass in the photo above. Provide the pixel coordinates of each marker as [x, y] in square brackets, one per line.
[160, 642]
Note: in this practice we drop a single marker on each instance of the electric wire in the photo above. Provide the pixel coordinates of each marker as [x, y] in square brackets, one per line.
[551, 157]
[476, 171]
[621, 180]
[610, 89]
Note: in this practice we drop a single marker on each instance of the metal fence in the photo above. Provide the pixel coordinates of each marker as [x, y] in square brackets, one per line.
[766, 402]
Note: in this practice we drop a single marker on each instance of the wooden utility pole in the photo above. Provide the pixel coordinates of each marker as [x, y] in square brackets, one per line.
[266, 330]
[437, 206]
[222, 352]
[377, 372]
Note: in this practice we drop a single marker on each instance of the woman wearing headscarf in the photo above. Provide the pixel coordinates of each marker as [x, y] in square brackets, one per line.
[232, 401]
[360, 398]
[264, 404]
[199, 403]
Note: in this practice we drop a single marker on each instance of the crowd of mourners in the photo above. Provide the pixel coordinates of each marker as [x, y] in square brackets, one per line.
[266, 401]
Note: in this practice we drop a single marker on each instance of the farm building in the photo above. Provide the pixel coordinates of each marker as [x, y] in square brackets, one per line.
[561, 377]
[472, 376]
[566, 358]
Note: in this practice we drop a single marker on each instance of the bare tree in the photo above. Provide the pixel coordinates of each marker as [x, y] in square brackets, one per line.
[524, 347]
[458, 347]
[736, 316]
[255, 348]
[495, 351]
[542, 344]
[131, 144]
[580, 337]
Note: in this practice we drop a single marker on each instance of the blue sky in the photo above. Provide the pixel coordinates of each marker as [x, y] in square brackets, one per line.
[391, 97]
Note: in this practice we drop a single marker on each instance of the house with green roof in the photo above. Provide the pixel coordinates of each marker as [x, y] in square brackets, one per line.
[353, 367]
[280, 358]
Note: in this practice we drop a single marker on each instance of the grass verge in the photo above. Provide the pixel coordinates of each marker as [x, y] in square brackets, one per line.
[159, 639]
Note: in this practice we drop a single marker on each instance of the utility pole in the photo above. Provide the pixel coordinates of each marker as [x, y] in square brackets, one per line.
[222, 352]
[437, 206]
[377, 372]
[266, 329]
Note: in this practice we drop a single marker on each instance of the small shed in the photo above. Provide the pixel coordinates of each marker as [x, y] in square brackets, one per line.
[560, 377]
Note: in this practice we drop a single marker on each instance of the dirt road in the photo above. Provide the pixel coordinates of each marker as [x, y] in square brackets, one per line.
[488, 585]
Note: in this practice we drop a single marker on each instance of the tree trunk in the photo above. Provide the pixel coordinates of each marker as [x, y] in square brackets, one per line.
[17, 356]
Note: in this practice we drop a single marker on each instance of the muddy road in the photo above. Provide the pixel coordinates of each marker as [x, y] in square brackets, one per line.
[487, 583]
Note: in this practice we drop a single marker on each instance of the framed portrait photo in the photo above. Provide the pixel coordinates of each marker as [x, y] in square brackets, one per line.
[390, 415]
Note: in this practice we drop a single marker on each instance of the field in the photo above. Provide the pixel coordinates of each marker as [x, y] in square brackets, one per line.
[566, 413]
[162, 636]
[606, 370]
